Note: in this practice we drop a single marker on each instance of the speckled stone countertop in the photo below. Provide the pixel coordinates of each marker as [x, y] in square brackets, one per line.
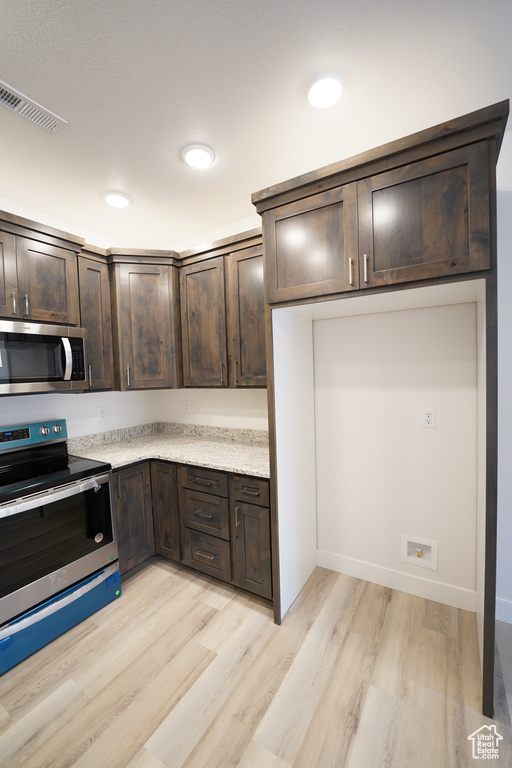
[233, 450]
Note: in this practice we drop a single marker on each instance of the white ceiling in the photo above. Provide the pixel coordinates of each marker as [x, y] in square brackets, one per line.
[137, 80]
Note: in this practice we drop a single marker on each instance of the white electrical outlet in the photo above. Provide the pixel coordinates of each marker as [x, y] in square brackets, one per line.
[101, 414]
[186, 406]
[429, 418]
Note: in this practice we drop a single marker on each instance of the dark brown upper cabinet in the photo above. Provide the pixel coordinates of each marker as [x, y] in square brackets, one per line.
[38, 280]
[311, 246]
[223, 314]
[145, 305]
[419, 208]
[245, 292]
[203, 324]
[96, 319]
[427, 219]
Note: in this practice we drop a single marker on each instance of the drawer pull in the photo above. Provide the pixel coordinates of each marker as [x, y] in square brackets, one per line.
[201, 481]
[250, 491]
[202, 514]
[208, 555]
[237, 516]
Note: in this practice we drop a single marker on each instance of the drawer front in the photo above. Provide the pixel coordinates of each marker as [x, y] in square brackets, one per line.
[207, 480]
[254, 490]
[207, 554]
[206, 513]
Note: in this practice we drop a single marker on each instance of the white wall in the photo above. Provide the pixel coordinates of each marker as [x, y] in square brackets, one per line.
[295, 451]
[380, 474]
[222, 408]
[504, 566]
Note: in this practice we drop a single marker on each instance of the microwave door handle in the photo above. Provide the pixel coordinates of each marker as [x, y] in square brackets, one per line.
[68, 359]
[48, 497]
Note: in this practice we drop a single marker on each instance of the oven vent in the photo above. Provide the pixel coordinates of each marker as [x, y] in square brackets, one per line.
[30, 110]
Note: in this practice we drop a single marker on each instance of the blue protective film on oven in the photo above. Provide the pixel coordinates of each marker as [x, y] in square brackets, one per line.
[36, 628]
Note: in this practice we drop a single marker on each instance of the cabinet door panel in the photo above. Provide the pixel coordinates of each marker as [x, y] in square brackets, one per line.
[95, 317]
[134, 524]
[203, 324]
[145, 326]
[311, 246]
[246, 318]
[252, 567]
[427, 219]
[48, 282]
[8, 278]
[164, 488]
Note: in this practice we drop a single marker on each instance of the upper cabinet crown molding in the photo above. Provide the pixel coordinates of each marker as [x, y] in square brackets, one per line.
[486, 123]
[17, 225]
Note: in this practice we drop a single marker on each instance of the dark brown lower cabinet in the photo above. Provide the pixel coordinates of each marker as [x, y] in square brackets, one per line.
[213, 521]
[164, 487]
[252, 567]
[134, 522]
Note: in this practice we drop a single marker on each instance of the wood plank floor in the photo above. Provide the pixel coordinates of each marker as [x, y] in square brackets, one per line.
[186, 671]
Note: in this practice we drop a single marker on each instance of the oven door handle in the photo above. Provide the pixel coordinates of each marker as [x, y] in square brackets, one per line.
[68, 359]
[47, 497]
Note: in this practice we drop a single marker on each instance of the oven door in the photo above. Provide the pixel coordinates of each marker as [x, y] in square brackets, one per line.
[51, 540]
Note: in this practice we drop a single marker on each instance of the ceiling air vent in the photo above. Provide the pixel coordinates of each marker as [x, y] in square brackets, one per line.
[29, 109]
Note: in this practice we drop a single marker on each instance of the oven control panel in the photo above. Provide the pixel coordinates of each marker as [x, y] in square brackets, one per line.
[36, 433]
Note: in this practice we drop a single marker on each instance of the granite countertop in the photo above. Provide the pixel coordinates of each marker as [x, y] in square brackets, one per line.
[232, 450]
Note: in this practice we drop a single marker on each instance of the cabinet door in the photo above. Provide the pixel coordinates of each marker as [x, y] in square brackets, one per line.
[164, 489]
[95, 317]
[203, 324]
[311, 246]
[145, 328]
[47, 281]
[252, 558]
[8, 277]
[134, 523]
[427, 219]
[246, 318]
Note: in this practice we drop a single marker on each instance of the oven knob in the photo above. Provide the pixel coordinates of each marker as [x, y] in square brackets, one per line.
[57, 428]
[44, 431]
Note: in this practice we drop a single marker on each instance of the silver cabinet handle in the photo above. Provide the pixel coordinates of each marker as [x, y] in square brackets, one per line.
[237, 516]
[26, 305]
[236, 371]
[202, 514]
[14, 302]
[221, 372]
[208, 555]
[89, 368]
[351, 271]
[128, 378]
[366, 268]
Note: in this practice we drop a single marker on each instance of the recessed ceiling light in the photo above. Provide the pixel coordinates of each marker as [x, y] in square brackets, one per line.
[325, 90]
[117, 199]
[198, 156]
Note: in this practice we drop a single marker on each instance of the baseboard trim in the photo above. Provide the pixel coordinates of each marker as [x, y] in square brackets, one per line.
[504, 610]
[429, 589]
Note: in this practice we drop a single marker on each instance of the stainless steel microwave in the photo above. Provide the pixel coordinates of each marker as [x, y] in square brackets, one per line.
[40, 358]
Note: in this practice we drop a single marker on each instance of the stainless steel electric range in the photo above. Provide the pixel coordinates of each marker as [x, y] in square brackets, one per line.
[58, 546]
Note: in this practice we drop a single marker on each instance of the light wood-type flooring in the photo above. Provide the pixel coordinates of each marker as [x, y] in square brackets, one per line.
[185, 671]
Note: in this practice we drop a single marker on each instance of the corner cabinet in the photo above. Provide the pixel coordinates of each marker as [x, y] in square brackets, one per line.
[223, 314]
[134, 524]
[203, 324]
[96, 319]
[145, 306]
[38, 272]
